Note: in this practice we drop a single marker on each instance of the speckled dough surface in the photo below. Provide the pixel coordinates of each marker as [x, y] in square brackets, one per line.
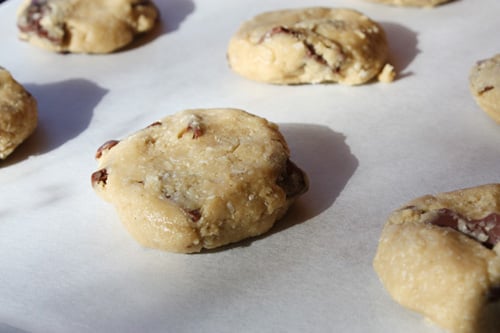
[199, 179]
[18, 114]
[310, 45]
[413, 3]
[84, 26]
[484, 83]
[439, 255]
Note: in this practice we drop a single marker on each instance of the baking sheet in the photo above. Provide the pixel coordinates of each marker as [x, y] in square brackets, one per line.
[66, 263]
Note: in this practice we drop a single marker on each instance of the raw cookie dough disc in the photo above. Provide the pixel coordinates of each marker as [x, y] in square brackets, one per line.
[484, 83]
[413, 3]
[439, 256]
[18, 114]
[199, 179]
[310, 45]
[84, 26]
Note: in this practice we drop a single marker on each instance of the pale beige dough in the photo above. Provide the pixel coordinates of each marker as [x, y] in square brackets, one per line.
[452, 277]
[310, 45]
[199, 179]
[484, 84]
[413, 3]
[84, 26]
[18, 114]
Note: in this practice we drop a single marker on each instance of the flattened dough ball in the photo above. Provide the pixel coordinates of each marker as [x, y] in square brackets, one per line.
[84, 26]
[484, 84]
[413, 3]
[199, 179]
[310, 45]
[440, 256]
[18, 114]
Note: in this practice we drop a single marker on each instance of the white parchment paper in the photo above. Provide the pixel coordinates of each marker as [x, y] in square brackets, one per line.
[66, 263]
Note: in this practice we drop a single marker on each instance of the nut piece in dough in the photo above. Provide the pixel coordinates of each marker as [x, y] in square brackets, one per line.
[413, 3]
[440, 256]
[18, 114]
[199, 179]
[84, 26]
[484, 84]
[310, 45]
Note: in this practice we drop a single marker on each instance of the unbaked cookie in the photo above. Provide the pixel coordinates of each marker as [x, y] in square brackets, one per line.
[484, 83]
[84, 26]
[439, 255]
[413, 3]
[199, 179]
[18, 114]
[310, 45]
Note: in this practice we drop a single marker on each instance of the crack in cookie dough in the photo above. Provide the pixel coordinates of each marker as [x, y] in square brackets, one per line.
[439, 256]
[84, 26]
[310, 45]
[199, 179]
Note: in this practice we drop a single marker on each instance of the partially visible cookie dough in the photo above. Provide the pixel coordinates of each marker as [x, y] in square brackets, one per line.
[484, 83]
[18, 114]
[440, 256]
[84, 26]
[199, 179]
[413, 3]
[310, 45]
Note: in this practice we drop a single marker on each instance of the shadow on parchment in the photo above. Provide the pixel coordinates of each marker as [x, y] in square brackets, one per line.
[327, 160]
[65, 109]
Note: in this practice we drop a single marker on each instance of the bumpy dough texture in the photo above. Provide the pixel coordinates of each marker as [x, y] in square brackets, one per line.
[448, 276]
[484, 83]
[310, 45]
[18, 114]
[413, 3]
[84, 26]
[199, 179]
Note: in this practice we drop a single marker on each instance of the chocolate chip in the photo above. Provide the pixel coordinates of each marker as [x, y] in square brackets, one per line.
[292, 180]
[493, 294]
[485, 230]
[156, 123]
[194, 215]
[100, 176]
[106, 146]
[301, 36]
[30, 21]
[193, 126]
[485, 89]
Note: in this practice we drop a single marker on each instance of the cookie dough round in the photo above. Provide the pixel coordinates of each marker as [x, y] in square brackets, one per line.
[439, 255]
[18, 114]
[484, 83]
[84, 26]
[413, 3]
[199, 179]
[310, 45]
